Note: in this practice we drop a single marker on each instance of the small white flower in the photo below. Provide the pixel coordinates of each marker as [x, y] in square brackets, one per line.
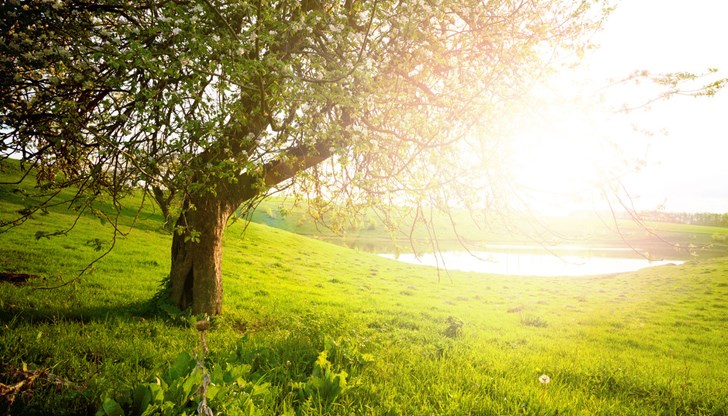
[544, 379]
[176, 31]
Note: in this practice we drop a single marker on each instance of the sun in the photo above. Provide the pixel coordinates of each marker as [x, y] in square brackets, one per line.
[559, 166]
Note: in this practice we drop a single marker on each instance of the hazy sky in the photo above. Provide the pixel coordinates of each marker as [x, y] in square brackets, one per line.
[688, 166]
[683, 141]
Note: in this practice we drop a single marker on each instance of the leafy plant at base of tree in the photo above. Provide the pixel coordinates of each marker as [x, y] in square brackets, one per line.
[177, 390]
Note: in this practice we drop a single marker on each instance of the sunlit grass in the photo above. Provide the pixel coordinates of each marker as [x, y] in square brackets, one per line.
[411, 341]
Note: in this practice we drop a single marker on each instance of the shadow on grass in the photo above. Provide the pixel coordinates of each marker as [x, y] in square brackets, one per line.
[89, 351]
[155, 308]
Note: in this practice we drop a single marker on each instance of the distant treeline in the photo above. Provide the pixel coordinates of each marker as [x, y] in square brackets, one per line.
[700, 218]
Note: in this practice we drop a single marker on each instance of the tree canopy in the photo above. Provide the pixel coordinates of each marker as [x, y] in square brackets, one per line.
[221, 101]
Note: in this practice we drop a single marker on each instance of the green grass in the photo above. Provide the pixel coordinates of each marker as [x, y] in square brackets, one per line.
[411, 341]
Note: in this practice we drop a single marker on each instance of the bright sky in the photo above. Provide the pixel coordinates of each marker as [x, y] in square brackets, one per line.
[683, 141]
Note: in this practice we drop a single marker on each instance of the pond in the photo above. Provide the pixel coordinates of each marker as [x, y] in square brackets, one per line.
[535, 261]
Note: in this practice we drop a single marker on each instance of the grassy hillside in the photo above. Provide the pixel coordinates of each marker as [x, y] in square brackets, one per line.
[398, 339]
[368, 233]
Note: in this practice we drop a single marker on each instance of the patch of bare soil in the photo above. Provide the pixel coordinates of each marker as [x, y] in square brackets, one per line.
[16, 278]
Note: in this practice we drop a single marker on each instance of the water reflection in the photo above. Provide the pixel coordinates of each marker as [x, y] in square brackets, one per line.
[529, 261]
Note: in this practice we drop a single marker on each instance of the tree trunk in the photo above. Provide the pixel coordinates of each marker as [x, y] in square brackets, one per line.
[164, 203]
[196, 273]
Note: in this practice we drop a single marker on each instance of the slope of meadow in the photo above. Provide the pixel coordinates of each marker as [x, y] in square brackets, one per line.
[587, 229]
[313, 328]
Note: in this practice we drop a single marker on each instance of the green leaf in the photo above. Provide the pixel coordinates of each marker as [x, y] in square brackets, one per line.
[191, 384]
[142, 397]
[212, 391]
[157, 393]
[110, 408]
[182, 366]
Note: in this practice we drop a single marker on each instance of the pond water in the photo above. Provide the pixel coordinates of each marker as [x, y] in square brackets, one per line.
[533, 261]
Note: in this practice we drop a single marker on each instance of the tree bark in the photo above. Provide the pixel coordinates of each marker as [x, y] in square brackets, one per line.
[164, 202]
[196, 273]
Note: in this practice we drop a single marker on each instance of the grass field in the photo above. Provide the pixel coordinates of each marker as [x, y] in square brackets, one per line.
[311, 328]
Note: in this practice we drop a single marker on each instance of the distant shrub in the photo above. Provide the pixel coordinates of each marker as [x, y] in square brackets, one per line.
[535, 321]
[454, 328]
[372, 225]
[269, 212]
[719, 238]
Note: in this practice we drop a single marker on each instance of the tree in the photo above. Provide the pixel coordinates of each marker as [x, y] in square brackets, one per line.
[222, 101]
